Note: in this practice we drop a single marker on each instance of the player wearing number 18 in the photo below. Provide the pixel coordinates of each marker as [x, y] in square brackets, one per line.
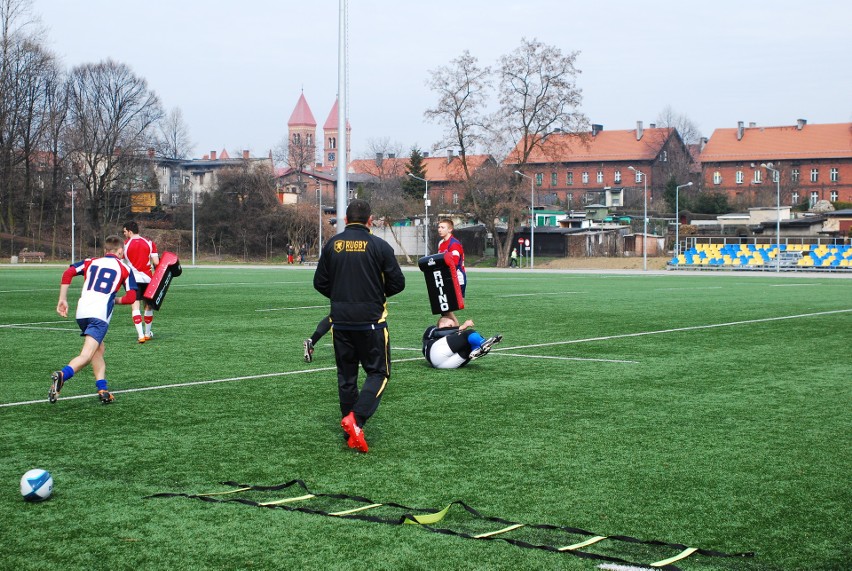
[103, 277]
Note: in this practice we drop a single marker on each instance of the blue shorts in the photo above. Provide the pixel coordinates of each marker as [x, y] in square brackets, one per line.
[94, 328]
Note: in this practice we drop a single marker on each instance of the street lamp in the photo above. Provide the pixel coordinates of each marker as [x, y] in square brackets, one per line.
[532, 218]
[319, 203]
[677, 216]
[73, 220]
[192, 190]
[426, 202]
[645, 219]
[777, 174]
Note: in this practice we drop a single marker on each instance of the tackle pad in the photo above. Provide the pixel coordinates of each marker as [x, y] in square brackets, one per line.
[168, 268]
[442, 282]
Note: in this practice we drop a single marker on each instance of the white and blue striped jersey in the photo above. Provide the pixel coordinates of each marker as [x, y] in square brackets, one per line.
[103, 277]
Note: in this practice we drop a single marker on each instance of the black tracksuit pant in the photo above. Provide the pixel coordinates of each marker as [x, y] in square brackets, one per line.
[369, 349]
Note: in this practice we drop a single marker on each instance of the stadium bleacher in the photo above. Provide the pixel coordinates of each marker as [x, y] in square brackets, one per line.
[765, 256]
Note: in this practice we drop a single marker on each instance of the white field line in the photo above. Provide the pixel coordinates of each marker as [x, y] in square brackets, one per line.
[685, 288]
[174, 285]
[538, 294]
[30, 325]
[496, 349]
[792, 285]
[306, 307]
[563, 358]
[676, 330]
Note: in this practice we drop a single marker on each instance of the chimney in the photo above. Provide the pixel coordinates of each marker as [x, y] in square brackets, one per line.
[425, 154]
[212, 155]
[379, 159]
[596, 129]
[702, 143]
[245, 155]
[449, 156]
[391, 155]
[639, 130]
[752, 124]
[800, 123]
[652, 125]
[739, 130]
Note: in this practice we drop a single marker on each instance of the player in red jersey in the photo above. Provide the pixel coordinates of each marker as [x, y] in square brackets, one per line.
[142, 257]
[450, 243]
[103, 277]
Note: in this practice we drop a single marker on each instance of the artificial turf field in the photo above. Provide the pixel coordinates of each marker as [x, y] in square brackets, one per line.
[709, 410]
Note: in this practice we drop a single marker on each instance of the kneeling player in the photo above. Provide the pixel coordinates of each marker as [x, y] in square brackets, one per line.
[450, 345]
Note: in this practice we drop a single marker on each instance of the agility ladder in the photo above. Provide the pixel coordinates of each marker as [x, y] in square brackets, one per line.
[427, 518]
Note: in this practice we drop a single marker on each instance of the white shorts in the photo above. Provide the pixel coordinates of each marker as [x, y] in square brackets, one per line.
[442, 357]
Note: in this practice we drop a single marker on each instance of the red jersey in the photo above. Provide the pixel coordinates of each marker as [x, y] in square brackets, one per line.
[137, 252]
[451, 244]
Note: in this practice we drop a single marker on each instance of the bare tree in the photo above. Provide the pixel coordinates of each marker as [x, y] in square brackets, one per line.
[686, 127]
[538, 94]
[173, 140]
[462, 89]
[112, 116]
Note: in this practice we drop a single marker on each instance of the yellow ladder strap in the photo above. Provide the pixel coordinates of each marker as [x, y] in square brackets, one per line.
[352, 511]
[583, 544]
[685, 553]
[499, 531]
[428, 519]
[288, 500]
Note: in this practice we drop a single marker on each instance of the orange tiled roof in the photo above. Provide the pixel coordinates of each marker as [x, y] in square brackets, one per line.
[604, 146]
[827, 141]
[436, 169]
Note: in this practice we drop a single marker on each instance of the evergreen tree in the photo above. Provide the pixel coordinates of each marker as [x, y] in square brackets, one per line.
[412, 187]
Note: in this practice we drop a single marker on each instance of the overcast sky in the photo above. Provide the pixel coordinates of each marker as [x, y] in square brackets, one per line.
[236, 69]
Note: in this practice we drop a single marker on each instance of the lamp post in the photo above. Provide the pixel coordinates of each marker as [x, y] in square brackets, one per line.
[426, 203]
[532, 218]
[73, 220]
[192, 190]
[677, 216]
[645, 219]
[777, 174]
[319, 204]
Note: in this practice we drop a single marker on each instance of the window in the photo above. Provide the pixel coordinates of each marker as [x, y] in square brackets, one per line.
[757, 178]
[740, 177]
[569, 179]
[794, 198]
[455, 198]
[554, 178]
[717, 177]
[814, 175]
[794, 175]
[332, 142]
[638, 177]
[585, 177]
[814, 198]
[617, 178]
[297, 139]
[309, 139]
[835, 175]
[600, 177]
[834, 196]
[664, 156]
[539, 179]
[775, 176]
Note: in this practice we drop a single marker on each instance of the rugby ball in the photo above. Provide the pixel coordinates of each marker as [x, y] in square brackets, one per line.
[36, 485]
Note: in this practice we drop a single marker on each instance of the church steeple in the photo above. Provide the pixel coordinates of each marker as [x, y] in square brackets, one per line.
[302, 128]
[330, 137]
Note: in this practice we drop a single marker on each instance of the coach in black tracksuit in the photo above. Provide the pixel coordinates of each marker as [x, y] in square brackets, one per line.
[358, 272]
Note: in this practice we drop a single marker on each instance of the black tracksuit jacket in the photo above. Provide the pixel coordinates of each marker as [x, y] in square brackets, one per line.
[358, 272]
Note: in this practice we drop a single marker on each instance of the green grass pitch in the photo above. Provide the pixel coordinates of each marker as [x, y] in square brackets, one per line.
[711, 410]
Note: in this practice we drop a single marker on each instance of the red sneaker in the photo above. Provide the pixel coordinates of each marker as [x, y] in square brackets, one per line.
[356, 434]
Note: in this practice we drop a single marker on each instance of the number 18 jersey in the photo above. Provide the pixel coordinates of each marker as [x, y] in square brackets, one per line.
[103, 277]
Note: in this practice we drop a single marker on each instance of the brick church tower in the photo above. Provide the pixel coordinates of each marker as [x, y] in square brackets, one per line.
[330, 132]
[302, 129]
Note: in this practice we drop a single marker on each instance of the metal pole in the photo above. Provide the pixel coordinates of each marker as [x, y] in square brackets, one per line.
[777, 174]
[342, 152]
[426, 203]
[192, 190]
[319, 205]
[73, 221]
[532, 218]
[645, 221]
[677, 217]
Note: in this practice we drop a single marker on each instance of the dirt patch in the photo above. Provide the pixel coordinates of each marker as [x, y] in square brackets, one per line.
[631, 263]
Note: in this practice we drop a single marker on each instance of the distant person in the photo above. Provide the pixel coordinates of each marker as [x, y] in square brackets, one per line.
[303, 252]
[450, 345]
[102, 277]
[290, 252]
[142, 257]
[358, 272]
[513, 259]
[322, 328]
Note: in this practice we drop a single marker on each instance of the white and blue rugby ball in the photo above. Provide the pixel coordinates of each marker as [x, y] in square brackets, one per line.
[36, 485]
